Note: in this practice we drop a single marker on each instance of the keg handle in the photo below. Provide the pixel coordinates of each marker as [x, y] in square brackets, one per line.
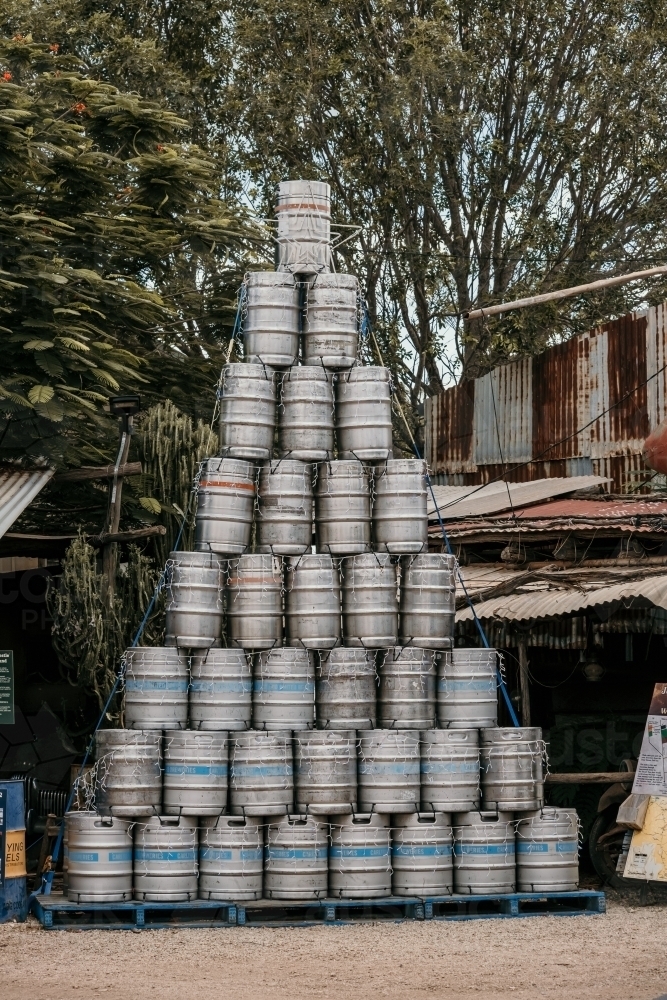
[512, 735]
[104, 820]
[169, 820]
[424, 817]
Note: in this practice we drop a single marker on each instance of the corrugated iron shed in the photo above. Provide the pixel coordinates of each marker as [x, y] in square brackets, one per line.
[17, 490]
[582, 407]
[546, 602]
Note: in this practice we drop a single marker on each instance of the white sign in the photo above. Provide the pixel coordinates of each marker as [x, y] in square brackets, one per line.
[651, 776]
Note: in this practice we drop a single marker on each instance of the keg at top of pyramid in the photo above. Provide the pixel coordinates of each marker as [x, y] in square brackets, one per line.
[363, 414]
[400, 521]
[285, 507]
[220, 690]
[312, 601]
[247, 412]
[225, 504]
[156, 688]
[346, 689]
[467, 689]
[254, 602]
[306, 415]
[303, 213]
[407, 688]
[271, 324]
[343, 508]
[283, 689]
[428, 600]
[331, 335]
[194, 606]
[370, 601]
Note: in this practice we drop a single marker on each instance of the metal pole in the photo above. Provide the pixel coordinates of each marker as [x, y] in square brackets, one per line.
[564, 293]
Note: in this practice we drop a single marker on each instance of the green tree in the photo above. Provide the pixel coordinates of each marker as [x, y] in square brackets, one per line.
[488, 149]
[119, 260]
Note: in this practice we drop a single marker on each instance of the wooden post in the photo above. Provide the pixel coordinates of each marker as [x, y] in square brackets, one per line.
[109, 550]
[524, 684]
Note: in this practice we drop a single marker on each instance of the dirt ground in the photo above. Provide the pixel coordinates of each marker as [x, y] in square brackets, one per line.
[619, 956]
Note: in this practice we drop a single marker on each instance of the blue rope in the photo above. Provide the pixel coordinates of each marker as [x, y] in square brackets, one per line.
[47, 878]
[366, 326]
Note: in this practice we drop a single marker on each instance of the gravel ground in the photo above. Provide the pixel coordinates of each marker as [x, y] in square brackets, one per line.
[619, 956]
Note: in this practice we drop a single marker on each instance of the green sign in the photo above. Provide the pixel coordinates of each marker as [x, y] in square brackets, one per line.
[6, 687]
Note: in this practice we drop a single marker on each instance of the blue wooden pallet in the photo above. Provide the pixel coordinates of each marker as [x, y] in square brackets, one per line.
[55, 911]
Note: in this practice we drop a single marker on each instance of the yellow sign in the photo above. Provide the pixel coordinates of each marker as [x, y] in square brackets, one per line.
[647, 857]
[15, 854]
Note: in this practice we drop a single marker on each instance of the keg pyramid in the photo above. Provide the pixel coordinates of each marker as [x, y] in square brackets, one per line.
[307, 730]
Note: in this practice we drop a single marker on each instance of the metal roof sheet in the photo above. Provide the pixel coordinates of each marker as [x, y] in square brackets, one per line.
[474, 501]
[17, 490]
[642, 515]
[549, 603]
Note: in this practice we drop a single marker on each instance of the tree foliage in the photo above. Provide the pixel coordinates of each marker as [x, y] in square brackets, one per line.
[488, 149]
[119, 260]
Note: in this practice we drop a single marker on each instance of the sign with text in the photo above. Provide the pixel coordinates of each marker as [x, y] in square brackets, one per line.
[6, 687]
[651, 776]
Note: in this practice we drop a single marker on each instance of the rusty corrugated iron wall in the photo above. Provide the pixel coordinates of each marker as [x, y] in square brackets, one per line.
[582, 407]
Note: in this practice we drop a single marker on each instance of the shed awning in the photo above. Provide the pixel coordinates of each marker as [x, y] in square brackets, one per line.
[17, 490]
[474, 501]
[550, 603]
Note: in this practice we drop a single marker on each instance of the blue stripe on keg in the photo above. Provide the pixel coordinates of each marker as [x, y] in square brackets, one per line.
[222, 687]
[291, 687]
[142, 855]
[482, 849]
[450, 767]
[84, 856]
[432, 851]
[367, 767]
[359, 852]
[216, 770]
[295, 853]
[213, 854]
[444, 684]
[261, 770]
[545, 847]
[125, 855]
[158, 685]
[251, 854]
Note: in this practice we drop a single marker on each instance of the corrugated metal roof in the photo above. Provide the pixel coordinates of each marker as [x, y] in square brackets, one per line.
[549, 603]
[17, 490]
[583, 406]
[473, 501]
[564, 516]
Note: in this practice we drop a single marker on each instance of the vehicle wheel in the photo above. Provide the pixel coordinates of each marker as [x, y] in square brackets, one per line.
[604, 844]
